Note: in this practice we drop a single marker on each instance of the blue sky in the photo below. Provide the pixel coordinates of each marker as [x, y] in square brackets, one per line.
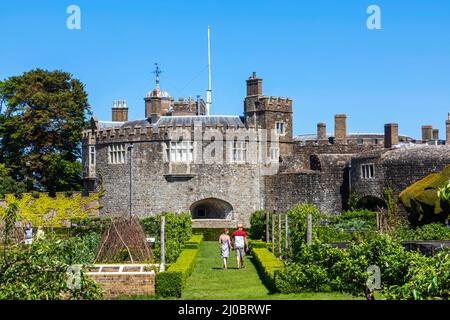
[319, 53]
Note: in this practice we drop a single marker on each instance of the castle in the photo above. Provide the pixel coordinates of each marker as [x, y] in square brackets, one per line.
[223, 168]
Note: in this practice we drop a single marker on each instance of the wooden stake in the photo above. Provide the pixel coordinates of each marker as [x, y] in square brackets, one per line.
[273, 233]
[279, 235]
[267, 227]
[309, 229]
[163, 243]
[286, 234]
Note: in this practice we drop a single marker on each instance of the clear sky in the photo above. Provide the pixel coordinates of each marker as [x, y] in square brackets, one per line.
[319, 53]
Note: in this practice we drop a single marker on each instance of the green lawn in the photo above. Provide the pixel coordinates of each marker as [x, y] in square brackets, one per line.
[210, 282]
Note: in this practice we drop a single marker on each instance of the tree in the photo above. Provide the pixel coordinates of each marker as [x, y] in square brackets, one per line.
[8, 184]
[43, 114]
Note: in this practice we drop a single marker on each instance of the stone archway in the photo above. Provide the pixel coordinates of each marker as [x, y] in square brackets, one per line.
[212, 208]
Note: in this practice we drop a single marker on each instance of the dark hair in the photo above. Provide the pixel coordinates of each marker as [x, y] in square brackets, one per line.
[226, 229]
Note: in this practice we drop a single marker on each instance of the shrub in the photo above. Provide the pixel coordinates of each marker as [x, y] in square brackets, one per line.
[39, 272]
[171, 282]
[257, 244]
[258, 224]
[297, 225]
[268, 265]
[178, 231]
[422, 199]
[427, 280]
[432, 231]
[194, 242]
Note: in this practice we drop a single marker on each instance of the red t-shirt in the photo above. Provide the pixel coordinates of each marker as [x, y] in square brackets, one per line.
[239, 238]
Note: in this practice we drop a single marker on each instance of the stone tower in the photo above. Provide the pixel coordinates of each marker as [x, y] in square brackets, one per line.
[270, 113]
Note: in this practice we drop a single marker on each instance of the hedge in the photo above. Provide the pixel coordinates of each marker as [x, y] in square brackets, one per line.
[172, 282]
[194, 242]
[268, 265]
[257, 244]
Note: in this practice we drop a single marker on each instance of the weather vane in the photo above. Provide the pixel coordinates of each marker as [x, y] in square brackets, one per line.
[157, 72]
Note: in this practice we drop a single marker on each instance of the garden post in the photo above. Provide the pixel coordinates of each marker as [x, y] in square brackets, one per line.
[273, 234]
[286, 236]
[279, 235]
[163, 243]
[309, 229]
[267, 227]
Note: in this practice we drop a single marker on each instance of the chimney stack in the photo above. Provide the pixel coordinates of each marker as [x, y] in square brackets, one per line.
[321, 131]
[119, 111]
[390, 135]
[340, 128]
[447, 129]
[435, 134]
[427, 133]
[254, 85]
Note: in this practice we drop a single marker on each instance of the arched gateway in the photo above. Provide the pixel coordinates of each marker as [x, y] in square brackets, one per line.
[211, 208]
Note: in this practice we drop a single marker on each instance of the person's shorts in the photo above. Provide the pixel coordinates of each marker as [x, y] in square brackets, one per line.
[240, 252]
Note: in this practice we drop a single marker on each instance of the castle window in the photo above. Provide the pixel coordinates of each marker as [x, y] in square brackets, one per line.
[280, 128]
[181, 151]
[117, 153]
[239, 151]
[368, 171]
[274, 154]
[92, 155]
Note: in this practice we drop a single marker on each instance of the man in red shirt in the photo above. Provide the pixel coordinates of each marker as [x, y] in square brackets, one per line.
[240, 245]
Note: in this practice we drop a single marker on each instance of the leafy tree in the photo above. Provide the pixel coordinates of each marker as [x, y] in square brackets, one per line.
[43, 115]
[8, 184]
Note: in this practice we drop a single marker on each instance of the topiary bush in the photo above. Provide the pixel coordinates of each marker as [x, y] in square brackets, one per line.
[422, 199]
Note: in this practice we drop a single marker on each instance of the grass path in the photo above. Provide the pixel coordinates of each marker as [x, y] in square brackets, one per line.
[210, 282]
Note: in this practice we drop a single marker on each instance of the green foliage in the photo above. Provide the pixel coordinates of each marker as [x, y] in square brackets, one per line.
[178, 231]
[41, 129]
[350, 226]
[39, 272]
[423, 200]
[444, 193]
[432, 231]
[320, 267]
[171, 282]
[297, 225]
[258, 224]
[257, 244]
[268, 266]
[428, 279]
[391, 202]
[194, 242]
[8, 185]
[353, 201]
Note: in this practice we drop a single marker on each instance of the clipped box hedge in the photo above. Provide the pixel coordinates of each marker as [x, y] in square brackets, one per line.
[257, 244]
[268, 265]
[194, 242]
[172, 282]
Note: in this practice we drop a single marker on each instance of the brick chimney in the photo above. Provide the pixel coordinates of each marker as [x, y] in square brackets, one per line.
[435, 134]
[254, 86]
[120, 111]
[427, 133]
[321, 132]
[447, 129]
[340, 128]
[390, 135]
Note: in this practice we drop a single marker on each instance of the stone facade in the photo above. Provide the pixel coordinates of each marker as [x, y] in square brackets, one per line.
[154, 165]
